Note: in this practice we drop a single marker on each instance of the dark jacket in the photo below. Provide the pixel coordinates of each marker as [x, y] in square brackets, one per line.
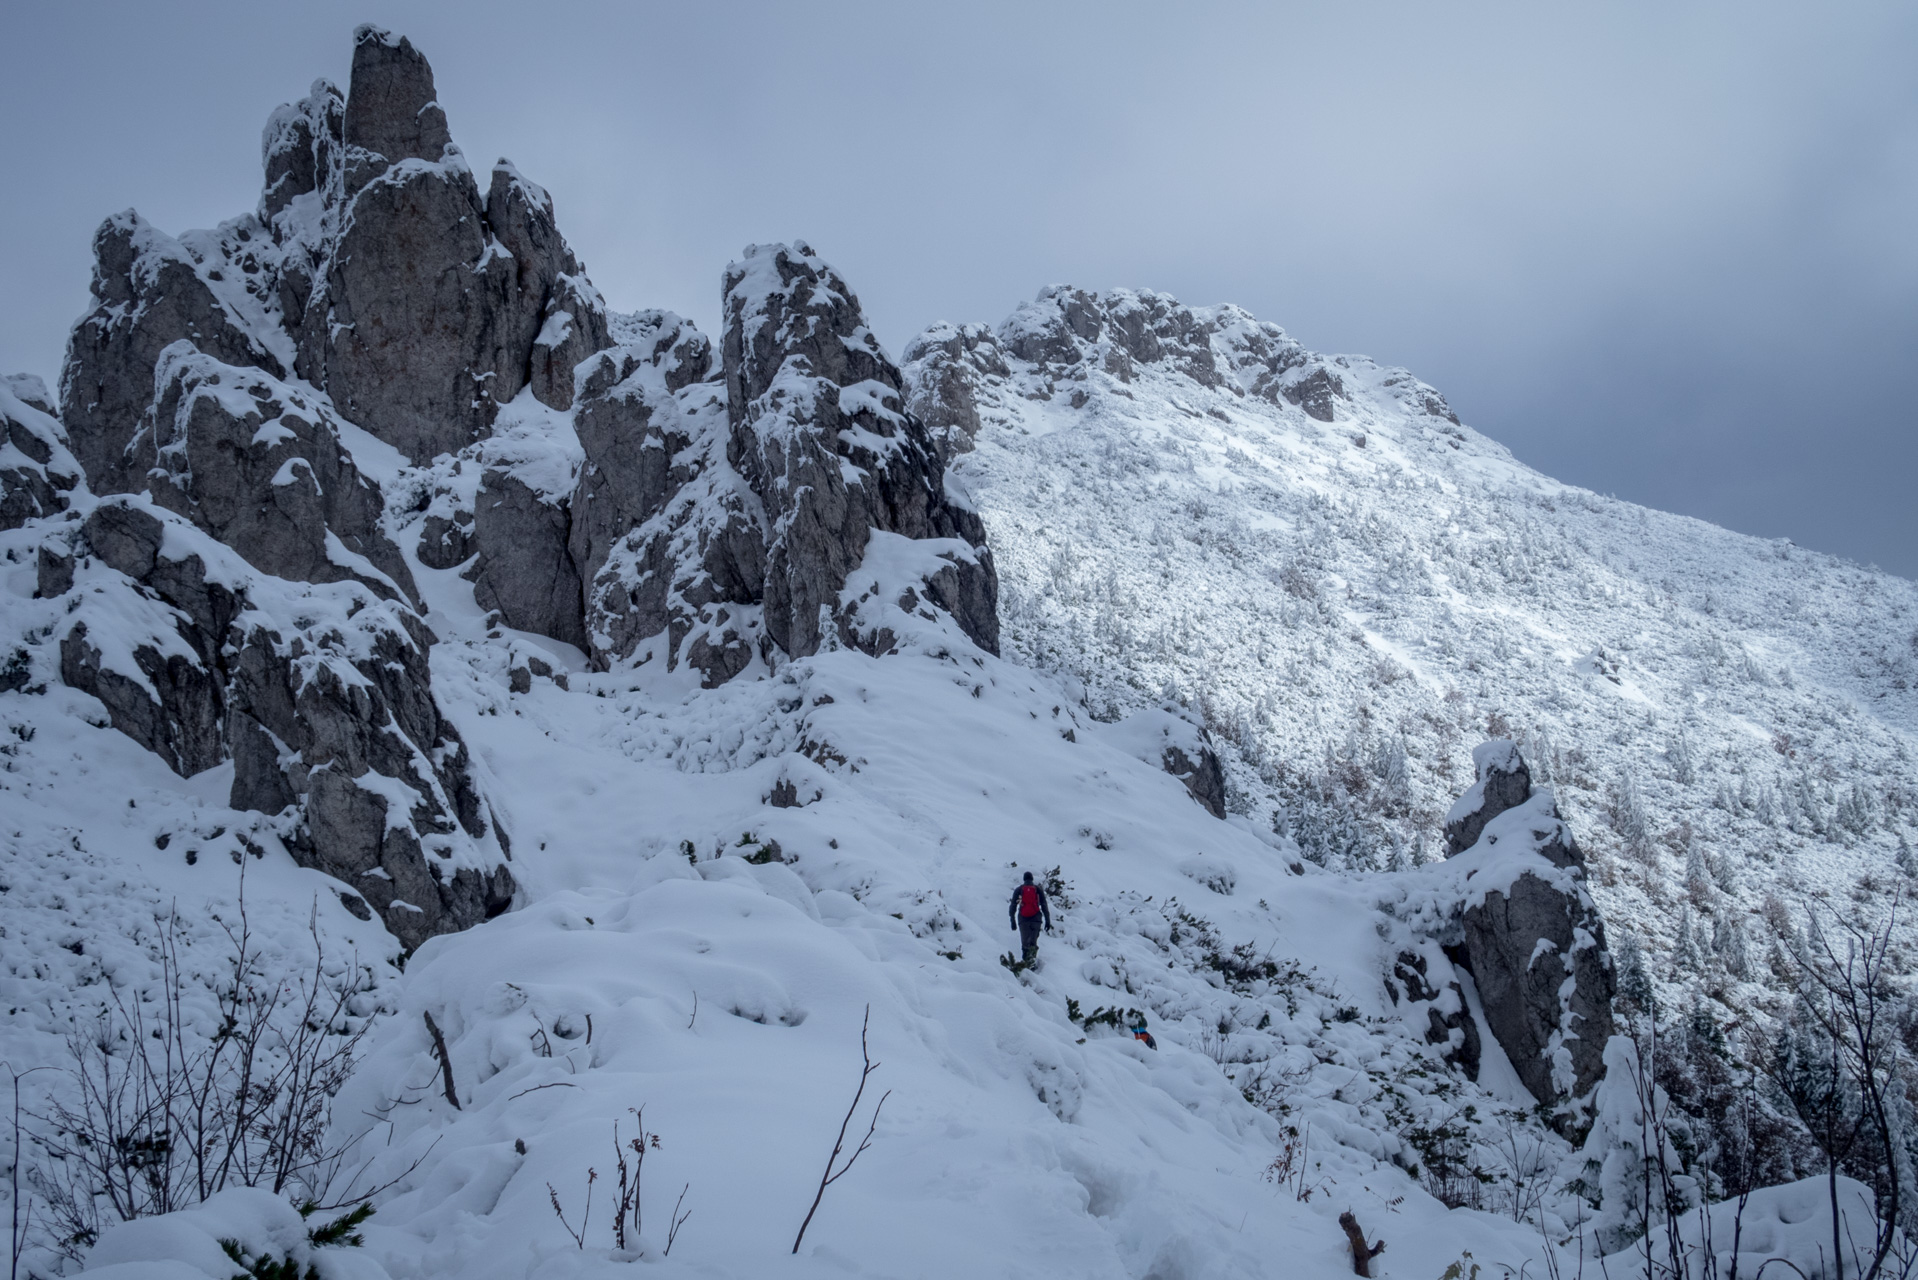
[1012, 908]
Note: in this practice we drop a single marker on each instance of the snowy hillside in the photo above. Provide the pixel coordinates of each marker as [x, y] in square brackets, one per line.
[509, 766]
[1354, 589]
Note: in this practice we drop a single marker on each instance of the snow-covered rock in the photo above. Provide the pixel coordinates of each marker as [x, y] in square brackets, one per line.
[37, 470]
[821, 433]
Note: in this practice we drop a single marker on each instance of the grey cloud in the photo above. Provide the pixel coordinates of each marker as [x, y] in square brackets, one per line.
[1664, 253]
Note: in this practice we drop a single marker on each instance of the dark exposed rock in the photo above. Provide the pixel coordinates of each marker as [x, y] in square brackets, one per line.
[392, 113]
[1531, 935]
[435, 305]
[947, 370]
[632, 429]
[174, 710]
[53, 571]
[1503, 781]
[408, 329]
[567, 322]
[819, 430]
[321, 695]
[259, 465]
[149, 291]
[36, 470]
[1449, 1020]
[525, 570]
[1204, 777]
[668, 535]
[446, 542]
[1316, 393]
[1072, 330]
[300, 151]
[173, 701]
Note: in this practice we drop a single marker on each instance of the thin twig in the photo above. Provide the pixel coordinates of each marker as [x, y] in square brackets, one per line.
[556, 1084]
[446, 1062]
[827, 1178]
[678, 1219]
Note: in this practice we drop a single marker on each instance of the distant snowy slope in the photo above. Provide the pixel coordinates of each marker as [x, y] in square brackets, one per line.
[1355, 588]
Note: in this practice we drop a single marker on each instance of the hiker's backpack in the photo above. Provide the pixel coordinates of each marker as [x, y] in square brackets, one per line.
[1028, 900]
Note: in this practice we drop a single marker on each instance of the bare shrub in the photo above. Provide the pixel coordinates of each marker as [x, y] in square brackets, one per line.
[161, 1116]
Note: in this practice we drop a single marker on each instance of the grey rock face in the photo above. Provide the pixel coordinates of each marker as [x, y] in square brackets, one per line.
[1503, 782]
[37, 471]
[669, 537]
[393, 114]
[946, 368]
[1316, 393]
[149, 291]
[1448, 1020]
[300, 150]
[259, 465]
[1204, 777]
[819, 430]
[322, 698]
[566, 319]
[408, 329]
[1070, 329]
[1532, 937]
[178, 709]
[525, 570]
[434, 306]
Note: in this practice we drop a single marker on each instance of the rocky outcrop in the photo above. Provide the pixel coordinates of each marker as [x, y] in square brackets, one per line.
[1173, 737]
[1449, 1020]
[669, 538]
[259, 465]
[37, 471]
[525, 571]
[820, 432]
[320, 695]
[150, 291]
[1503, 782]
[1203, 776]
[1528, 930]
[393, 113]
[435, 304]
[950, 370]
[561, 319]
[1068, 339]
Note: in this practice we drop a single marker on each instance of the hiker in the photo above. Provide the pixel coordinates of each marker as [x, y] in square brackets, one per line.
[1025, 912]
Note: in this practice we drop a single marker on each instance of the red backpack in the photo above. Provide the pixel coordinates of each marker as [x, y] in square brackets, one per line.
[1028, 899]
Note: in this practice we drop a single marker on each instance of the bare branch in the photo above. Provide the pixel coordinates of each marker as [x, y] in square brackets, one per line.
[829, 1177]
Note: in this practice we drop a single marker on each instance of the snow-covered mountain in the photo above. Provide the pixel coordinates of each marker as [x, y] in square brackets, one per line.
[604, 717]
[1354, 588]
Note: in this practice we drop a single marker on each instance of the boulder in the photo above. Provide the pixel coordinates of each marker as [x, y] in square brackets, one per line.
[525, 572]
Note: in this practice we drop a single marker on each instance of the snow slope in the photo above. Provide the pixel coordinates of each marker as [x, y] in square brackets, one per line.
[1355, 589]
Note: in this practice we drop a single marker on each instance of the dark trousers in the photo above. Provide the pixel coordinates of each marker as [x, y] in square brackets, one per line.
[1029, 936]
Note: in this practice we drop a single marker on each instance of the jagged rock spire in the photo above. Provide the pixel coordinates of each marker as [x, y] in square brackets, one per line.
[392, 110]
[819, 428]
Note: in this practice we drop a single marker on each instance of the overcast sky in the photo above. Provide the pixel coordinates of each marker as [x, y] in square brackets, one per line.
[1664, 251]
